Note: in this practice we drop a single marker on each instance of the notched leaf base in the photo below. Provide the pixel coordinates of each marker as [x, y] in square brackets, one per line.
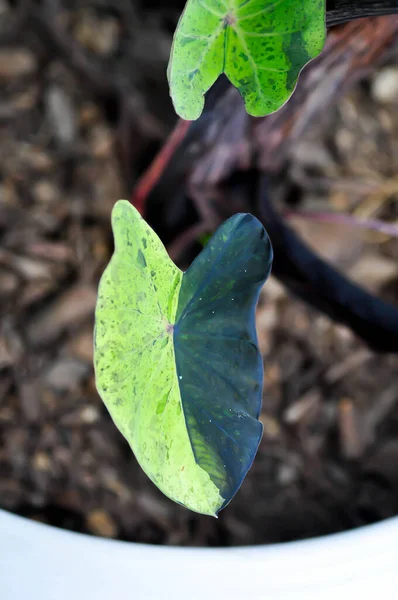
[260, 45]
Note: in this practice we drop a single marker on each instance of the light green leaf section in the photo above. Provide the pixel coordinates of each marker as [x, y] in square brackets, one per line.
[261, 46]
[135, 363]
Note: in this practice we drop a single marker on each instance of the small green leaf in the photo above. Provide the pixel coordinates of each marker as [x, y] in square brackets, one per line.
[176, 356]
[260, 45]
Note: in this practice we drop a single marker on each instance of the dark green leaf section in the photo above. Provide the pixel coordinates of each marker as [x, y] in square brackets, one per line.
[219, 366]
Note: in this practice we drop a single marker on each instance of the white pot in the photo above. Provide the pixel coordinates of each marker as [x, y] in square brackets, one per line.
[39, 562]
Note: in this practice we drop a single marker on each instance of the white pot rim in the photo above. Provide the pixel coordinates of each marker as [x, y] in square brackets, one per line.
[40, 562]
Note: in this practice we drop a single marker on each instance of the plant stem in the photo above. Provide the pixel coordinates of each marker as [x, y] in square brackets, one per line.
[341, 11]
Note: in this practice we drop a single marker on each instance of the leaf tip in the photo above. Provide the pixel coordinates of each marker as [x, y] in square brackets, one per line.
[190, 109]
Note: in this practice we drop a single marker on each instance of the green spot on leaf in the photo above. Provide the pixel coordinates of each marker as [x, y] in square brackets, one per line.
[162, 403]
[141, 258]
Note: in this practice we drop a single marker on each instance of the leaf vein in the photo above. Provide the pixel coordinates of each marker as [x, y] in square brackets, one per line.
[265, 10]
[205, 50]
[210, 10]
[194, 37]
[273, 34]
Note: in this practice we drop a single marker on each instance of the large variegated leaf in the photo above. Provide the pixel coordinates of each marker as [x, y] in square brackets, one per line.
[176, 356]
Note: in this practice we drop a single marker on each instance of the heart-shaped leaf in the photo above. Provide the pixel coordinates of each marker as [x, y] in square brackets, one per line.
[260, 45]
[176, 356]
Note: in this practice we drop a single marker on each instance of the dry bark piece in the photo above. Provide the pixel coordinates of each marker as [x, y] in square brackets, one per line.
[67, 312]
[29, 393]
[6, 358]
[7, 415]
[26, 267]
[349, 364]
[45, 192]
[34, 292]
[81, 345]
[66, 374]
[36, 158]
[99, 522]
[351, 430]
[41, 462]
[86, 415]
[336, 243]
[101, 142]
[89, 415]
[9, 283]
[52, 251]
[302, 411]
[62, 115]
[98, 35]
[17, 62]
[374, 271]
[272, 429]
[11, 344]
[385, 86]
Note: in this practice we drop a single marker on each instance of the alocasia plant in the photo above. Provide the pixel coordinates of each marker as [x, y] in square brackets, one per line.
[176, 356]
[260, 45]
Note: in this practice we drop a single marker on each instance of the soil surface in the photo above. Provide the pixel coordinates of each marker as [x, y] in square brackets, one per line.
[328, 459]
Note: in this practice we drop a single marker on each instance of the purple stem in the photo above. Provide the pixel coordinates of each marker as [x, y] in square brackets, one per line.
[340, 218]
